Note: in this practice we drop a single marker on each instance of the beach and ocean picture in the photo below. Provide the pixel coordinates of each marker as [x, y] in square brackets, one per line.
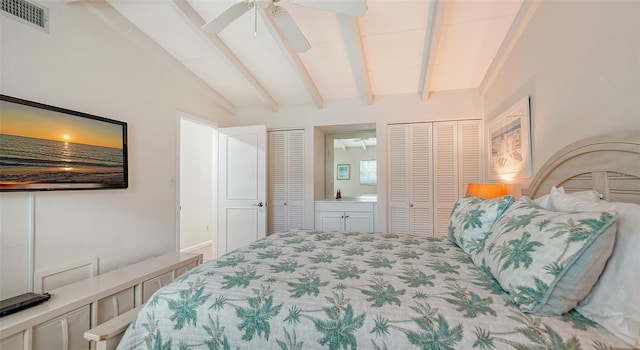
[47, 148]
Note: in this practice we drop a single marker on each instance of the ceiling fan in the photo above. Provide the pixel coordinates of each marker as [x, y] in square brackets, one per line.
[282, 17]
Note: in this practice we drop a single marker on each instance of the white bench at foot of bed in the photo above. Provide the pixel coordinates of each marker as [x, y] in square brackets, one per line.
[107, 335]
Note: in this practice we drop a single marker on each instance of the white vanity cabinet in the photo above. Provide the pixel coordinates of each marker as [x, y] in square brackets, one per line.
[353, 216]
[61, 322]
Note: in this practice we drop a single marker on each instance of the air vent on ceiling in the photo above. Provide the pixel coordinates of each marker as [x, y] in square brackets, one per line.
[27, 12]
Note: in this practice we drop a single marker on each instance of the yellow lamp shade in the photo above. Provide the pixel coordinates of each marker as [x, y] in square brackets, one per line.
[486, 191]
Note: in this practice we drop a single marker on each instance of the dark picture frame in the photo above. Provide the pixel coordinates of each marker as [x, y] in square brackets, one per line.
[45, 148]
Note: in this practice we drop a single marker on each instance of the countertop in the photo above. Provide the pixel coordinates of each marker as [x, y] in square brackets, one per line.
[369, 199]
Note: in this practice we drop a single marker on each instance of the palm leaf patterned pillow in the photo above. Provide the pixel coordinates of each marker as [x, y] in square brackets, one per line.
[548, 261]
[472, 217]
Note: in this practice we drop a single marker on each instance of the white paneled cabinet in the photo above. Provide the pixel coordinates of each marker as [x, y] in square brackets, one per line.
[430, 165]
[344, 216]
[61, 322]
[286, 180]
[114, 305]
[65, 332]
[151, 286]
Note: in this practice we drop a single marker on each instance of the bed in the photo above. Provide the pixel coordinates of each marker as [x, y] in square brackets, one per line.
[306, 289]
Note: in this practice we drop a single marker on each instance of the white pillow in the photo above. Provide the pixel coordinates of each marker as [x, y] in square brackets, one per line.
[543, 201]
[590, 195]
[614, 301]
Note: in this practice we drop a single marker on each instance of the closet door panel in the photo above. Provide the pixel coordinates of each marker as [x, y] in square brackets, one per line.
[470, 149]
[421, 184]
[398, 178]
[295, 179]
[277, 182]
[445, 164]
[430, 166]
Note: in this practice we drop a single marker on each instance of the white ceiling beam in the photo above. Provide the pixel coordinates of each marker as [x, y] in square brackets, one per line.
[355, 50]
[527, 9]
[217, 97]
[293, 57]
[433, 30]
[196, 22]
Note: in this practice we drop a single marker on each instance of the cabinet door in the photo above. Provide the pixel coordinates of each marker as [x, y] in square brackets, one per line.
[115, 305]
[151, 286]
[63, 333]
[14, 342]
[330, 221]
[358, 221]
[398, 170]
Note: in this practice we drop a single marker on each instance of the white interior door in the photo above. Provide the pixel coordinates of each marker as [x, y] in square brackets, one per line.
[242, 186]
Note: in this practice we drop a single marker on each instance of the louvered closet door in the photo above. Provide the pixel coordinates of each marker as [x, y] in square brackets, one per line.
[445, 173]
[470, 151]
[421, 189]
[286, 180]
[277, 182]
[398, 178]
[294, 206]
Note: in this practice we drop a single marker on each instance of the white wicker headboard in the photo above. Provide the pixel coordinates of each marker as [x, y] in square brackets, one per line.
[609, 164]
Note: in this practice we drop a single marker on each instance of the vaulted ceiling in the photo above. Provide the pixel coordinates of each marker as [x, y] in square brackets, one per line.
[396, 47]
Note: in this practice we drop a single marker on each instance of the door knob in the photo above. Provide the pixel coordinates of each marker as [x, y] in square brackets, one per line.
[260, 204]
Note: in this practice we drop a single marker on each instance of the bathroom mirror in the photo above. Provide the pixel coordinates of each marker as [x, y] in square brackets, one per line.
[351, 163]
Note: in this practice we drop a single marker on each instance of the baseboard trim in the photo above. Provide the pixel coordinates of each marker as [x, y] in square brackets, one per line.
[197, 246]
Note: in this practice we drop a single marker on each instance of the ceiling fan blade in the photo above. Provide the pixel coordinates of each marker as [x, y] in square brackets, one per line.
[348, 7]
[290, 29]
[217, 24]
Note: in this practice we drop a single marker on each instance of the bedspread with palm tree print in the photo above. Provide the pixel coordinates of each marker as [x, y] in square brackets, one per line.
[306, 289]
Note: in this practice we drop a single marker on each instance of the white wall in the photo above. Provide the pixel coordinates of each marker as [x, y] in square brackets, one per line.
[580, 63]
[197, 223]
[446, 105]
[94, 61]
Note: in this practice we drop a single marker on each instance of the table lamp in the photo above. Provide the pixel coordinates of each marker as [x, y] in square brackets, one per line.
[486, 191]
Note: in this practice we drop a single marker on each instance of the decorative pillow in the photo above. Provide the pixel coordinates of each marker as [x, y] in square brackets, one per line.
[543, 201]
[614, 301]
[472, 217]
[548, 261]
[591, 195]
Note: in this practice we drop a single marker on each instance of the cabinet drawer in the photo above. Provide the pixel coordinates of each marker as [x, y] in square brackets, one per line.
[151, 286]
[63, 333]
[14, 342]
[115, 305]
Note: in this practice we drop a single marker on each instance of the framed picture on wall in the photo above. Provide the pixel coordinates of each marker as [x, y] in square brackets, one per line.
[510, 143]
[343, 172]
